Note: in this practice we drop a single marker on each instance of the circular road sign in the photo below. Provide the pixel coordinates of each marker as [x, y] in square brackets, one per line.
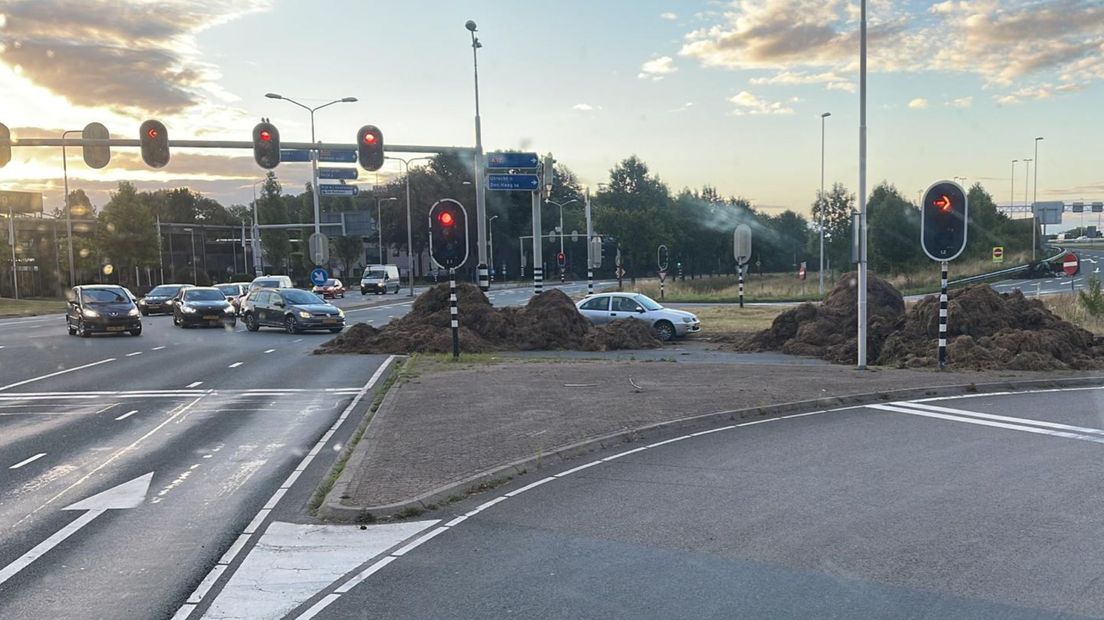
[1069, 263]
[318, 276]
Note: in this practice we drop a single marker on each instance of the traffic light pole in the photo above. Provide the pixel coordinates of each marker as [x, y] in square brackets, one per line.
[741, 285]
[943, 315]
[862, 319]
[590, 257]
[68, 209]
[538, 259]
[454, 316]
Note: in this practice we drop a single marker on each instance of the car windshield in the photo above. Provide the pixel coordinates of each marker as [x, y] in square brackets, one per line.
[648, 302]
[301, 297]
[264, 284]
[376, 274]
[330, 283]
[104, 296]
[203, 295]
[163, 291]
[230, 289]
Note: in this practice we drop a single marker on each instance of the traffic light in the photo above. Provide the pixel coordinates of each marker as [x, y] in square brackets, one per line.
[370, 147]
[943, 221]
[266, 145]
[448, 233]
[5, 145]
[97, 156]
[561, 259]
[154, 139]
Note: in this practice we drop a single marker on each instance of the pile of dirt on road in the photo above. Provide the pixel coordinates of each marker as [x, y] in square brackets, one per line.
[989, 330]
[827, 330]
[549, 321]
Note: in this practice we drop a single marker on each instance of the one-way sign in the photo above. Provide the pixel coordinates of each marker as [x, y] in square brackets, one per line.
[512, 160]
[507, 182]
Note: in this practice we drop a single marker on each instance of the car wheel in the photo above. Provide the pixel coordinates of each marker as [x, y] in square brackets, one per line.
[82, 330]
[251, 323]
[336, 330]
[176, 321]
[665, 330]
[145, 312]
[291, 326]
[136, 332]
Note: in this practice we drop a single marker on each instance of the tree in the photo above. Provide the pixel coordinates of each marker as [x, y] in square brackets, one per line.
[837, 205]
[348, 250]
[636, 208]
[272, 209]
[126, 234]
[894, 231]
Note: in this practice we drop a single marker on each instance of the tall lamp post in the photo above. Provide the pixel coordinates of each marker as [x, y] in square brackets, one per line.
[68, 208]
[1035, 197]
[862, 319]
[820, 287]
[409, 230]
[314, 157]
[258, 265]
[1012, 187]
[480, 182]
[1027, 177]
[379, 223]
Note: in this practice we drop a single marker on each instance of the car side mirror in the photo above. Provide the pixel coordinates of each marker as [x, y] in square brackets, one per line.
[640, 310]
[278, 304]
[73, 303]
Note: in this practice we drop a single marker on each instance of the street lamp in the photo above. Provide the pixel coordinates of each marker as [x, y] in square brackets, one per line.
[314, 159]
[862, 296]
[409, 230]
[1035, 197]
[68, 208]
[820, 287]
[258, 265]
[1012, 187]
[490, 243]
[1027, 177]
[561, 206]
[379, 223]
[192, 231]
[480, 187]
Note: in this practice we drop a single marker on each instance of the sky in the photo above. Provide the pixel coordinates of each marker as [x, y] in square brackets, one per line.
[728, 94]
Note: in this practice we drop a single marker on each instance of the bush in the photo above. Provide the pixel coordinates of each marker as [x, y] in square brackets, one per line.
[1092, 300]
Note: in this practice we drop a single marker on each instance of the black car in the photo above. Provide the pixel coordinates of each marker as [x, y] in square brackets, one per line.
[292, 309]
[159, 299]
[202, 305]
[102, 308]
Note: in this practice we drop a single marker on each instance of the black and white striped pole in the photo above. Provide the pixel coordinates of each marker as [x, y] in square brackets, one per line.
[943, 315]
[741, 251]
[538, 280]
[741, 268]
[454, 315]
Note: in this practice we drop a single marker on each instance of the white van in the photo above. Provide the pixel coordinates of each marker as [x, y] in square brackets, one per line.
[380, 279]
[270, 282]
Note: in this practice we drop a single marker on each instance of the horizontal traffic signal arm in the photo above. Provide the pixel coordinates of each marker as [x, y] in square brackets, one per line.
[237, 144]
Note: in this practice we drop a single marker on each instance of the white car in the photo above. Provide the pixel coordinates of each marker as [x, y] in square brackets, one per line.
[668, 323]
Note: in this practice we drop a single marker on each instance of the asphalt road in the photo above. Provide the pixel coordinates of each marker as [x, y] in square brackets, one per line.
[131, 466]
[926, 509]
[1091, 262]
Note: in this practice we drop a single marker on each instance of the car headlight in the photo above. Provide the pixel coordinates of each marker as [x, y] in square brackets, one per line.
[188, 309]
[228, 309]
[141, 302]
[303, 314]
[88, 312]
[340, 313]
[687, 319]
[133, 312]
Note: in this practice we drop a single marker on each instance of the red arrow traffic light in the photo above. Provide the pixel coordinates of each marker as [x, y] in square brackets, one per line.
[943, 203]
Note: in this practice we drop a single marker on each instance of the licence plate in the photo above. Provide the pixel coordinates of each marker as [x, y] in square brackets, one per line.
[328, 321]
[211, 317]
[116, 328]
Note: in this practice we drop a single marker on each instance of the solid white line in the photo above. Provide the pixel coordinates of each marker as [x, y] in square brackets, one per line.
[235, 364]
[54, 374]
[1002, 418]
[206, 584]
[626, 453]
[424, 538]
[41, 548]
[194, 384]
[184, 611]
[269, 350]
[127, 414]
[133, 354]
[26, 461]
[529, 486]
[980, 422]
[158, 348]
[366, 573]
[319, 606]
[582, 467]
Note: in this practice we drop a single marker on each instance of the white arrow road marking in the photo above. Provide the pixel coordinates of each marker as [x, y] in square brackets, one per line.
[126, 495]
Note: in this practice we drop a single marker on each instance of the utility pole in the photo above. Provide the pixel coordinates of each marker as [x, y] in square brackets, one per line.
[862, 190]
[824, 202]
[480, 166]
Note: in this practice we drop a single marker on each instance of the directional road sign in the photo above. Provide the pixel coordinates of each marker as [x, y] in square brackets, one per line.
[1097, 207]
[337, 190]
[515, 182]
[337, 156]
[294, 155]
[741, 244]
[319, 246]
[347, 174]
[512, 160]
[21, 202]
[318, 276]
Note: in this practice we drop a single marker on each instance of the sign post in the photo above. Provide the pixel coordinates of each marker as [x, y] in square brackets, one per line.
[662, 257]
[741, 251]
[998, 254]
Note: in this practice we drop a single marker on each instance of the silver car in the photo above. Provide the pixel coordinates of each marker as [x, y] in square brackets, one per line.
[608, 307]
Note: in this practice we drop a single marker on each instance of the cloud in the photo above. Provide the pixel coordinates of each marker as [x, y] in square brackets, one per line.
[830, 79]
[582, 107]
[684, 107]
[133, 58]
[747, 103]
[918, 104]
[961, 103]
[1002, 44]
[656, 68]
[668, 16]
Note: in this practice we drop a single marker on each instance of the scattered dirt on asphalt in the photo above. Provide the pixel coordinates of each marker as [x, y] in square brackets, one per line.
[548, 322]
[986, 331]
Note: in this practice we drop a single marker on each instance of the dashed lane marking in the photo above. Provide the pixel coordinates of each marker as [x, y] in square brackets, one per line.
[127, 414]
[235, 364]
[194, 384]
[133, 354]
[28, 460]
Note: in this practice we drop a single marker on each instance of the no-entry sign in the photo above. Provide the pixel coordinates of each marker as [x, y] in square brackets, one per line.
[998, 254]
[1069, 263]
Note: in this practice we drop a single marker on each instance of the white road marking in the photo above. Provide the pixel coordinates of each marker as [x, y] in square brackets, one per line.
[422, 539]
[133, 354]
[127, 414]
[54, 374]
[1002, 418]
[298, 340]
[28, 460]
[158, 348]
[269, 350]
[235, 364]
[194, 384]
[982, 422]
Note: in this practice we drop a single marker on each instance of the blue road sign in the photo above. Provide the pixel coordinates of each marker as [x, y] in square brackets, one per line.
[512, 160]
[337, 190]
[319, 276]
[349, 174]
[338, 157]
[507, 182]
[294, 155]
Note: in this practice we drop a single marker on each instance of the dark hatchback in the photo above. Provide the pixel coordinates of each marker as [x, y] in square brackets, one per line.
[292, 309]
[159, 299]
[102, 308]
[202, 305]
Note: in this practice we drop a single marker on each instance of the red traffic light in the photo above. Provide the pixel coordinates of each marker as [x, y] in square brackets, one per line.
[265, 135]
[369, 138]
[560, 256]
[152, 132]
[446, 218]
[943, 203]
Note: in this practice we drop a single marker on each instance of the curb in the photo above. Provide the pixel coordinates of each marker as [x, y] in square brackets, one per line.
[332, 509]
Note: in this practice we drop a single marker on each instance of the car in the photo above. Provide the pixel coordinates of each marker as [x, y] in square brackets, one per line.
[271, 282]
[292, 309]
[159, 299]
[668, 323]
[234, 292]
[203, 305]
[379, 279]
[102, 308]
[332, 288]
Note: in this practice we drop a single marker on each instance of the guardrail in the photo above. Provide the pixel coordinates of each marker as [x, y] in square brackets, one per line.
[1009, 271]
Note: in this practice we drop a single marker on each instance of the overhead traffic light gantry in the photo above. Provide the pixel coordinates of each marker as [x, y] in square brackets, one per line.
[266, 145]
[370, 148]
